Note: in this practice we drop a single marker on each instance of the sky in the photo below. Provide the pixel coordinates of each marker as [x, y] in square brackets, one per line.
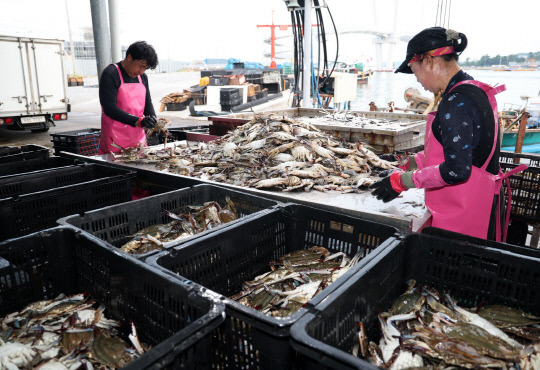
[199, 29]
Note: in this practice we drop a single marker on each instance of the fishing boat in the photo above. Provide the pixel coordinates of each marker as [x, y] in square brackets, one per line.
[509, 120]
[356, 68]
[502, 68]
[363, 77]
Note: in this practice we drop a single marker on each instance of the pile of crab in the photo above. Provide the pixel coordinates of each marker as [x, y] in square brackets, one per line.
[424, 329]
[295, 278]
[272, 152]
[194, 220]
[67, 332]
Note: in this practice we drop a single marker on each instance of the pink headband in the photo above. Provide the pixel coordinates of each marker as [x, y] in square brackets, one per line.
[434, 53]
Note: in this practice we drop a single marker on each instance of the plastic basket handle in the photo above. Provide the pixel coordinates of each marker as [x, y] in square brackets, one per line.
[3, 264]
[504, 177]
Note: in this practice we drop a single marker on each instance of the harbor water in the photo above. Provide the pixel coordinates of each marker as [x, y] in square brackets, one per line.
[384, 87]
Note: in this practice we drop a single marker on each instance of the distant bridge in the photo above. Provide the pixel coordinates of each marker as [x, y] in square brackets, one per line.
[380, 39]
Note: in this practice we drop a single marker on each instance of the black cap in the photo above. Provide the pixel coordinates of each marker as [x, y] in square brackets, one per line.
[430, 39]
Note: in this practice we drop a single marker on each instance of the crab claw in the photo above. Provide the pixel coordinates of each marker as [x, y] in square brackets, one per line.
[175, 216]
[135, 339]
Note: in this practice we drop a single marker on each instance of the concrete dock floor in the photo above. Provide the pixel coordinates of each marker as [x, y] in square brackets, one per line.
[86, 110]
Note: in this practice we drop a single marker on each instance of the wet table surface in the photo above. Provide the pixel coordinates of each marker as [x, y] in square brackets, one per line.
[406, 212]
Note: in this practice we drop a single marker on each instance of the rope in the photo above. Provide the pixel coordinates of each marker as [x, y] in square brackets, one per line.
[442, 19]
[449, 8]
[438, 13]
[445, 7]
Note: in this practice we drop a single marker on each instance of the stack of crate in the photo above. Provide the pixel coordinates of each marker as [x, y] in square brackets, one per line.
[75, 80]
[175, 101]
[230, 97]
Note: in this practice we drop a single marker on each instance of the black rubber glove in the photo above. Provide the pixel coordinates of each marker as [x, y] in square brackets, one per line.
[385, 173]
[148, 121]
[383, 190]
[389, 157]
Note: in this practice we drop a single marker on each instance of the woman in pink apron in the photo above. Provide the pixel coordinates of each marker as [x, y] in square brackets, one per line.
[125, 100]
[459, 167]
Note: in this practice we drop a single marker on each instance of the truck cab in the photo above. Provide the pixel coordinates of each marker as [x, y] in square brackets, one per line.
[32, 83]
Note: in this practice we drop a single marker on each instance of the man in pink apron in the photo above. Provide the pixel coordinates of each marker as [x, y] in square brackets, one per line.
[459, 166]
[125, 100]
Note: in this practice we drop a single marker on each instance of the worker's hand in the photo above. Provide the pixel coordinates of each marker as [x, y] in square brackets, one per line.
[404, 162]
[148, 121]
[389, 157]
[386, 173]
[389, 188]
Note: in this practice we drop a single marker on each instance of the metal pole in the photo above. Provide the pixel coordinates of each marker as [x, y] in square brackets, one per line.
[521, 135]
[393, 38]
[306, 71]
[273, 64]
[102, 42]
[70, 40]
[116, 47]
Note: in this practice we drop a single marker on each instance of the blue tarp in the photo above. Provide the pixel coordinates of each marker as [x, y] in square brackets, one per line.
[247, 65]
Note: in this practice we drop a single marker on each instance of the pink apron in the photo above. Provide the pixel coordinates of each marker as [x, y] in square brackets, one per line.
[131, 99]
[466, 207]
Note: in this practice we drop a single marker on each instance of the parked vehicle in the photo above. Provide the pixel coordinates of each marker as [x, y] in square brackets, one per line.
[32, 83]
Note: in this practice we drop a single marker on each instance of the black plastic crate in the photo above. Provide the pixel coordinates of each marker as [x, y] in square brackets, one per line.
[9, 150]
[25, 152]
[253, 73]
[117, 224]
[40, 210]
[168, 315]
[84, 142]
[525, 187]
[220, 73]
[219, 80]
[176, 106]
[261, 94]
[273, 88]
[229, 94]
[533, 252]
[223, 261]
[232, 101]
[46, 180]
[148, 183]
[37, 164]
[471, 274]
[254, 77]
[533, 160]
[227, 107]
[206, 73]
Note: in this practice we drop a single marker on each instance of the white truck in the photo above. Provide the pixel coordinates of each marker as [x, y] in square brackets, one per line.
[32, 83]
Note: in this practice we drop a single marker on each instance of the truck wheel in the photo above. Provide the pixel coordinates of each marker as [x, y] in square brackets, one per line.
[43, 129]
